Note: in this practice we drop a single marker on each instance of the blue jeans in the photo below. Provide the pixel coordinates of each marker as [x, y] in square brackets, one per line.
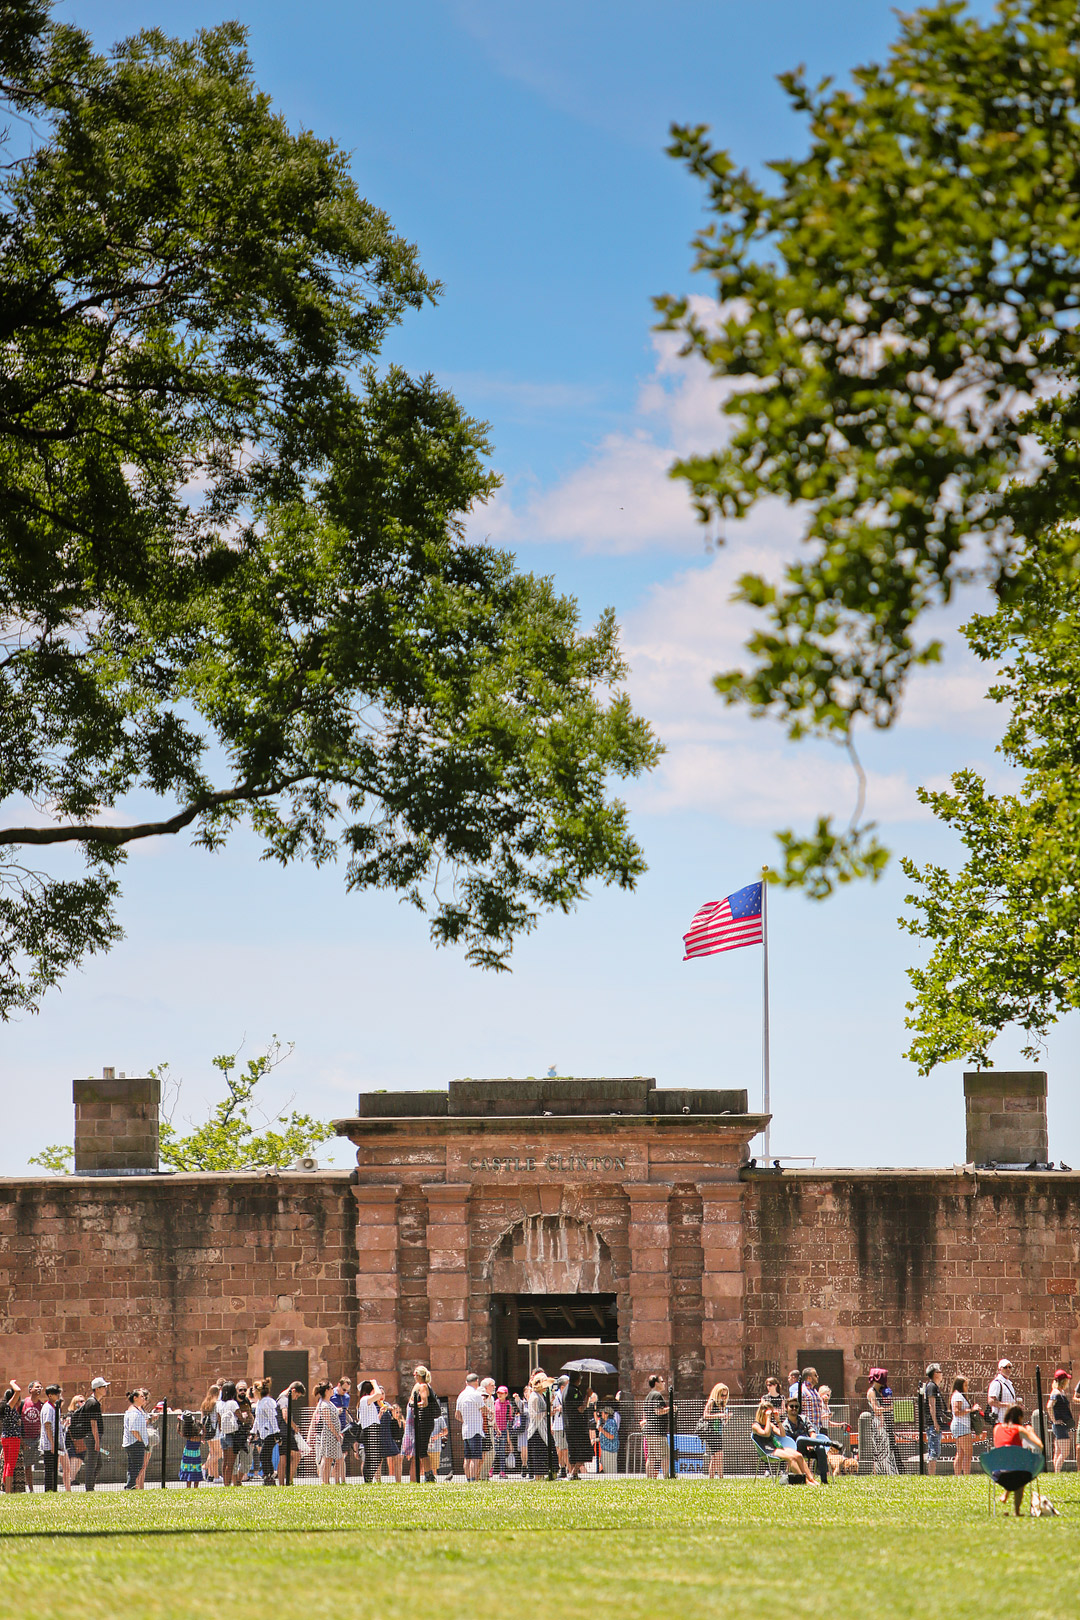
[135, 1454]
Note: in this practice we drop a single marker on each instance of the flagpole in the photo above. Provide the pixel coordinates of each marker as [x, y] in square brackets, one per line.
[765, 1004]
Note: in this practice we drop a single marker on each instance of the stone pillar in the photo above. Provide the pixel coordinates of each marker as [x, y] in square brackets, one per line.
[377, 1284]
[1006, 1117]
[722, 1284]
[116, 1124]
[649, 1281]
[448, 1285]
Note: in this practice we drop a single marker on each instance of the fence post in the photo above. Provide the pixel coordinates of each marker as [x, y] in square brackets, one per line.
[287, 1439]
[922, 1431]
[866, 1444]
[550, 1434]
[164, 1436]
[1043, 1425]
[672, 1458]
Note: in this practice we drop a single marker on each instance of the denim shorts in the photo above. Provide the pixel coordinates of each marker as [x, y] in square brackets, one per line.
[474, 1447]
[933, 1443]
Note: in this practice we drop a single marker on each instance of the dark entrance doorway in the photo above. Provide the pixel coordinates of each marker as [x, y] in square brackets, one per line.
[531, 1330]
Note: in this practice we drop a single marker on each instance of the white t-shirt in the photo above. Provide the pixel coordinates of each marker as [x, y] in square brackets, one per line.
[556, 1408]
[1001, 1395]
[226, 1416]
[48, 1416]
[367, 1411]
[266, 1417]
[470, 1409]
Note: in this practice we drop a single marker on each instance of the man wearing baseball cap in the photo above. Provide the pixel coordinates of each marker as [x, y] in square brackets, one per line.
[934, 1397]
[95, 1423]
[1001, 1394]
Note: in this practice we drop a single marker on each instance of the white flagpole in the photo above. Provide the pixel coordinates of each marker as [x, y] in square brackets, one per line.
[765, 1003]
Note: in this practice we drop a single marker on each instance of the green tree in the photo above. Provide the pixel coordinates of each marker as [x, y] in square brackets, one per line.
[232, 1138]
[898, 333]
[234, 578]
[1005, 929]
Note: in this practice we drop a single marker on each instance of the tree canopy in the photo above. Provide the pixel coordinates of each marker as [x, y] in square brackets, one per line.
[235, 582]
[898, 335]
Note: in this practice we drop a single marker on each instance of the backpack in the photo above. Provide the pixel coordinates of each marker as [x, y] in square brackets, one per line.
[79, 1427]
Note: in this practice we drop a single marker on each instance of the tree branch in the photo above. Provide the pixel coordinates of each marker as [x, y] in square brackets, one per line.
[113, 836]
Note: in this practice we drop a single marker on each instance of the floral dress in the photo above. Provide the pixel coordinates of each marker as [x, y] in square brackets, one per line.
[327, 1433]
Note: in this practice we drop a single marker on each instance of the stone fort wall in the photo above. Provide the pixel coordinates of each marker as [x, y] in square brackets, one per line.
[174, 1280]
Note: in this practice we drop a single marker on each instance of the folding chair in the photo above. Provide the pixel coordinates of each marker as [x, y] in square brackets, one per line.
[1009, 1460]
[775, 1463]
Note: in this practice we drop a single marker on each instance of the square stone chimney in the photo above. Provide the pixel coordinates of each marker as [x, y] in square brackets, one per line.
[1006, 1117]
[116, 1125]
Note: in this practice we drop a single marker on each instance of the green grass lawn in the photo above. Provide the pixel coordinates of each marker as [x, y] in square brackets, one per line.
[863, 1548]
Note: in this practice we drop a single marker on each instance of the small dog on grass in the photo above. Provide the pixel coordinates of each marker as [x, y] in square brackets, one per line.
[1042, 1507]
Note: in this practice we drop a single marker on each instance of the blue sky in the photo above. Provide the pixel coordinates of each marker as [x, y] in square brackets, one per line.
[521, 147]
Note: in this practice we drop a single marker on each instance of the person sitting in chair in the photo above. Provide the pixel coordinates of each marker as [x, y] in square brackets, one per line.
[807, 1443]
[771, 1437]
[1012, 1431]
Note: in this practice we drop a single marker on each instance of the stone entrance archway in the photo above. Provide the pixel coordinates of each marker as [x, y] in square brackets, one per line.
[553, 1296]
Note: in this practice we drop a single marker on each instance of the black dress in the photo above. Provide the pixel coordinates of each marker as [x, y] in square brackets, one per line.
[576, 1426]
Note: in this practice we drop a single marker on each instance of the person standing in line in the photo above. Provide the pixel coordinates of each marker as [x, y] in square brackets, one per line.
[576, 1429]
[52, 1438]
[191, 1471]
[558, 1422]
[960, 1427]
[31, 1432]
[265, 1430]
[487, 1456]
[793, 1385]
[391, 1434]
[810, 1400]
[226, 1410]
[655, 1425]
[934, 1406]
[607, 1425]
[519, 1430]
[212, 1474]
[74, 1449]
[504, 1415]
[367, 1415]
[288, 1444]
[538, 1436]
[243, 1455]
[341, 1397]
[1001, 1394]
[11, 1433]
[713, 1419]
[136, 1438]
[470, 1414]
[94, 1428]
[152, 1431]
[772, 1394]
[425, 1411]
[324, 1433]
[1060, 1414]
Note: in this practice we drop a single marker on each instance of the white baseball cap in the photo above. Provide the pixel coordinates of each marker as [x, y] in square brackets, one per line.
[1003, 1363]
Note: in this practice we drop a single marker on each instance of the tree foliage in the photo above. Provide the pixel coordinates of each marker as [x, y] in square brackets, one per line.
[898, 332]
[234, 579]
[230, 1139]
[1005, 929]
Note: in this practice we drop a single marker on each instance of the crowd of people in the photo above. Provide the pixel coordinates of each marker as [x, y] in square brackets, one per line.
[248, 1432]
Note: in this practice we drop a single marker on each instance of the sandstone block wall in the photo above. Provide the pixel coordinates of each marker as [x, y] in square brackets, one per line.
[900, 1268]
[173, 1282]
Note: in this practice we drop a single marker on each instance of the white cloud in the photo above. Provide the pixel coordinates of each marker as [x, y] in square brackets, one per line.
[621, 498]
[721, 761]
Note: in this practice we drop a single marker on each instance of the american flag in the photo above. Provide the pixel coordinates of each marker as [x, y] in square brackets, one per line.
[724, 925]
